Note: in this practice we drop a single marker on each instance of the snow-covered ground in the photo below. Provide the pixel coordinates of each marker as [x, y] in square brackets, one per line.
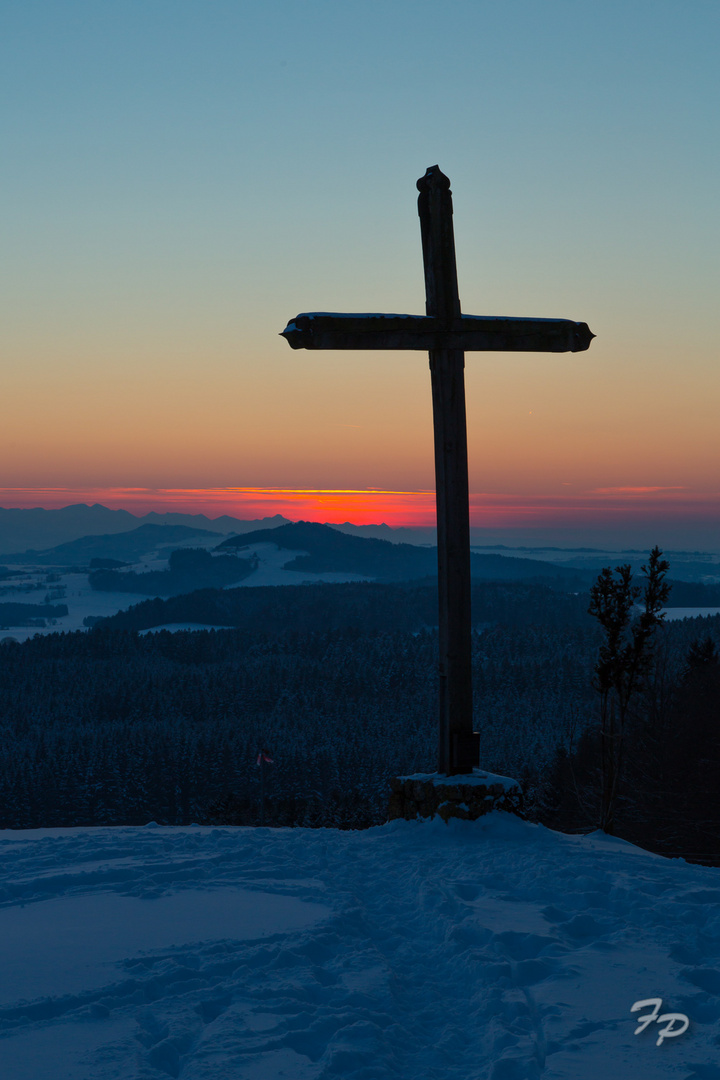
[493, 950]
[77, 595]
[83, 601]
[271, 569]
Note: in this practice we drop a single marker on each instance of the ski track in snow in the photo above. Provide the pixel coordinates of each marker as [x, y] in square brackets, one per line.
[494, 950]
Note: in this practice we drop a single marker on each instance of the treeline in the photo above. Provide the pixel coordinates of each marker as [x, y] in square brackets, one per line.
[114, 727]
[693, 594]
[323, 548]
[668, 794]
[188, 569]
[30, 614]
[362, 606]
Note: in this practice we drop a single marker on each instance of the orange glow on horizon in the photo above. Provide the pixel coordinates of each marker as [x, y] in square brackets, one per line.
[363, 507]
[373, 506]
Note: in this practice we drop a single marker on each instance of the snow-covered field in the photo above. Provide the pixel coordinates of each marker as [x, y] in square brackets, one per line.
[77, 595]
[494, 950]
[82, 600]
[271, 569]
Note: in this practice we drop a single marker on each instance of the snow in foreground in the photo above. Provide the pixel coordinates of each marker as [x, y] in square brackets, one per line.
[494, 950]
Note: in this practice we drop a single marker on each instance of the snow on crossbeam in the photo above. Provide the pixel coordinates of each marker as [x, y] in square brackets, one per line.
[470, 333]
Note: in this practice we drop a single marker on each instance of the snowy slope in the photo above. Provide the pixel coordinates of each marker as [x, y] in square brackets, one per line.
[494, 950]
[81, 600]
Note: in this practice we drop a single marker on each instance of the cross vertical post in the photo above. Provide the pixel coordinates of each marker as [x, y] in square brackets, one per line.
[457, 747]
[446, 334]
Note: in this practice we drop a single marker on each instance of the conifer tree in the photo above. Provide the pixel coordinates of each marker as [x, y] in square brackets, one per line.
[624, 661]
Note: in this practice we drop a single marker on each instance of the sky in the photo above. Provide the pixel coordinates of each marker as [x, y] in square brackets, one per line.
[180, 179]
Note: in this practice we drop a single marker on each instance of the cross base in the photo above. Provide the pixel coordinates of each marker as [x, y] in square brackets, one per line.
[426, 795]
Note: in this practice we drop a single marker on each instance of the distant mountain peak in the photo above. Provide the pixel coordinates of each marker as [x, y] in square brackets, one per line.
[38, 529]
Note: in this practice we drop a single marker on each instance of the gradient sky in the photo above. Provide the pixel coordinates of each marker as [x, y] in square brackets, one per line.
[181, 178]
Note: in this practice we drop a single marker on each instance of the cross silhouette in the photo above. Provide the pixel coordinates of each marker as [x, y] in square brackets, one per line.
[446, 334]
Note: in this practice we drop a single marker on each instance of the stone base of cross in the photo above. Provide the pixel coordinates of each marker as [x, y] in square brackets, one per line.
[467, 796]
[446, 334]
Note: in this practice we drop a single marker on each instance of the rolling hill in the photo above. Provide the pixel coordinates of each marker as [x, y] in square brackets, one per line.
[326, 549]
[125, 547]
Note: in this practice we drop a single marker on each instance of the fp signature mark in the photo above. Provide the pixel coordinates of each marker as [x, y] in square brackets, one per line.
[669, 1031]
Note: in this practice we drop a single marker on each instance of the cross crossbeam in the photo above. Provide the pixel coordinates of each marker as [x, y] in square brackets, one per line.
[446, 334]
[470, 333]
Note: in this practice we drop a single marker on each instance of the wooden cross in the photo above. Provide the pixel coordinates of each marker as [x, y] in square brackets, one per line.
[446, 334]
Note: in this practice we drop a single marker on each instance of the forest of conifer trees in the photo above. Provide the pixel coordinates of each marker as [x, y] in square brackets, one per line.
[113, 726]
